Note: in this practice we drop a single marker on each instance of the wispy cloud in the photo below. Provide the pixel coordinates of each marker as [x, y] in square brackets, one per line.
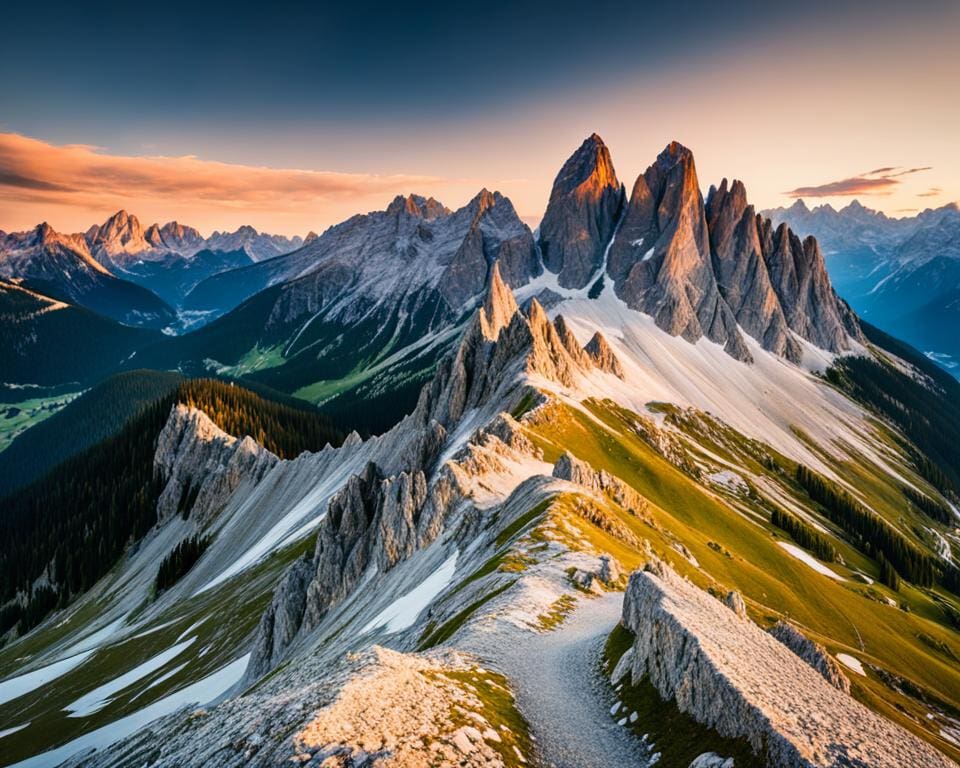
[932, 192]
[79, 175]
[880, 181]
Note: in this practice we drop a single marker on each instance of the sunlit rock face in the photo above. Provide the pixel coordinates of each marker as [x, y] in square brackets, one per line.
[584, 206]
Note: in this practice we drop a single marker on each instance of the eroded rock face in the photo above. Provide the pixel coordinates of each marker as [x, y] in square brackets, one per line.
[203, 465]
[741, 270]
[372, 522]
[699, 269]
[399, 505]
[813, 653]
[584, 207]
[799, 276]
[660, 262]
[732, 676]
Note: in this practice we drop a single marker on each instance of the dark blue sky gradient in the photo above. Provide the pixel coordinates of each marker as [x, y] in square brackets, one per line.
[335, 63]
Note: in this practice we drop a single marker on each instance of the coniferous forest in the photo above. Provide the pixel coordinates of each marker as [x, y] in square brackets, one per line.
[871, 533]
[180, 560]
[805, 535]
[928, 415]
[70, 527]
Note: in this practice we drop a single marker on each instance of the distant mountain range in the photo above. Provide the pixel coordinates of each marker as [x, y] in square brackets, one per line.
[121, 241]
[62, 267]
[167, 260]
[900, 274]
[364, 310]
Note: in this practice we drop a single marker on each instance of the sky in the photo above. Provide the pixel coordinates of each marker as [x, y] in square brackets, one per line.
[294, 116]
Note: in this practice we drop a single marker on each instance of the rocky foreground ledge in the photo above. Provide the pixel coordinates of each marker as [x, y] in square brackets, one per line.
[729, 674]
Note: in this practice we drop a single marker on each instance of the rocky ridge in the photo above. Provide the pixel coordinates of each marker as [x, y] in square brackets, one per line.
[730, 675]
[813, 653]
[383, 515]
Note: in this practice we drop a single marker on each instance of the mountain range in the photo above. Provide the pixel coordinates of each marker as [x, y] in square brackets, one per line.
[341, 315]
[636, 488]
[902, 274]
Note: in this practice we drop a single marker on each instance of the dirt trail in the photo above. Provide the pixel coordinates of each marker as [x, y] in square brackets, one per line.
[560, 691]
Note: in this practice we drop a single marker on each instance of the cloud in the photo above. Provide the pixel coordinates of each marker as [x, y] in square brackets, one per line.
[84, 176]
[880, 181]
[858, 185]
[908, 171]
[932, 192]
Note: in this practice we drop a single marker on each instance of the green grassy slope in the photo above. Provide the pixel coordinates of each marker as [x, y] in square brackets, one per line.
[731, 537]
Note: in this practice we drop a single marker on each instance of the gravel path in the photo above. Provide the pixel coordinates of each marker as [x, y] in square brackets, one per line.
[560, 691]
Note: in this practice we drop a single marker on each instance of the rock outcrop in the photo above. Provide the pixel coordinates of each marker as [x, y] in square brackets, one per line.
[584, 207]
[710, 270]
[372, 522]
[385, 513]
[602, 356]
[730, 675]
[741, 270]
[202, 466]
[813, 653]
[569, 467]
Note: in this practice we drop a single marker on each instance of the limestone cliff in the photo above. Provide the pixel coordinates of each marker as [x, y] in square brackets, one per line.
[730, 675]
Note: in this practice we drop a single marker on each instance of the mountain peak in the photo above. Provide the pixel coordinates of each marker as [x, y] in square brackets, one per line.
[44, 233]
[585, 203]
[417, 205]
[499, 306]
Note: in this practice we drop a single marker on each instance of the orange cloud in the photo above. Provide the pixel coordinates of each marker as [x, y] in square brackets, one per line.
[879, 181]
[45, 176]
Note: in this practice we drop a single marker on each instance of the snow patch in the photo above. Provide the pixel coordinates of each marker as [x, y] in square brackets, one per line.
[206, 690]
[8, 731]
[402, 613]
[99, 697]
[851, 663]
[806, 558]
[20, 685]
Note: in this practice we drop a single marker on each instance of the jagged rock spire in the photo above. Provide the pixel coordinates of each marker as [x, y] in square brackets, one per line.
[499, 306]
[584, 206]
[660, 262]
[602, 356]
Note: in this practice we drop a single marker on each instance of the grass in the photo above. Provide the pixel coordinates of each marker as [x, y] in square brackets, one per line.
[527, 402]
[739, 551]
[17, 418]
[562, 607]
[499, 708]
[232, 614]
[435, 636]
[511, 531]
[256, 359]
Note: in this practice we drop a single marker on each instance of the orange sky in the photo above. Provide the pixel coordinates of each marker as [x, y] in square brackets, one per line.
[780, 117]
